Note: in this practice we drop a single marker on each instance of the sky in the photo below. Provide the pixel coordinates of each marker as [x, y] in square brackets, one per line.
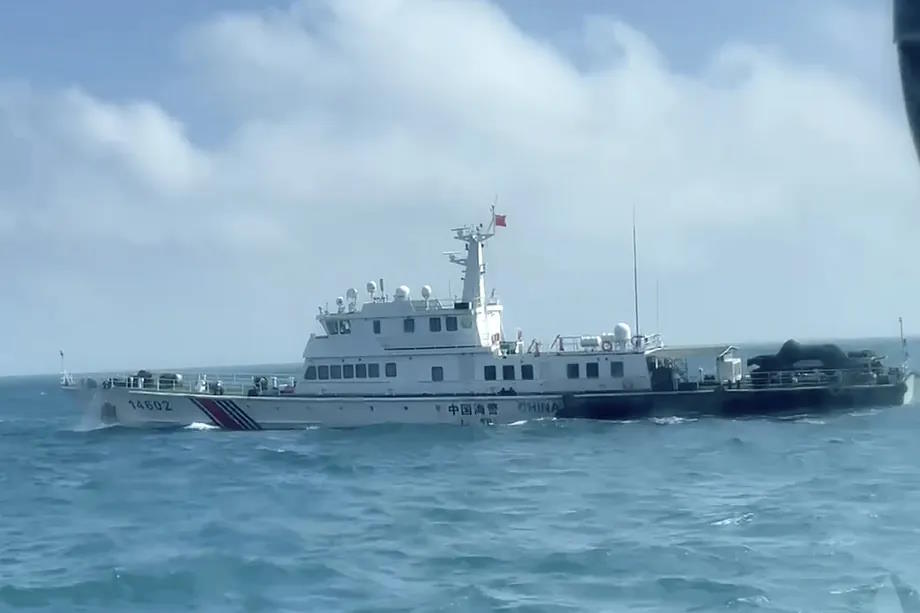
[184, 182]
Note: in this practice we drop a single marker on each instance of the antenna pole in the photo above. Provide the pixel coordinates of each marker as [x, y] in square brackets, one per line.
[657, 306]
[903, 340]
[635, 272]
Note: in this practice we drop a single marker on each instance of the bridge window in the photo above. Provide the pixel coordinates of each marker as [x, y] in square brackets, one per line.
[572, 371]
[323, 372]
[616, 370]
[437, 373]
[451, 323]
[373, 371]
[489, 373]
[310, 374]
[376, 326]
[508, 372]
[348, 371]
[390, 369]
[434, 324]
[527, 371]
[409, 324]
[335, 371]
[344, 327]
[332, 326]
[361, 371]
[591, 370]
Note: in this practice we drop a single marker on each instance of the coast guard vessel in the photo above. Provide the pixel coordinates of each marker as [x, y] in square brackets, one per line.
[403, 359]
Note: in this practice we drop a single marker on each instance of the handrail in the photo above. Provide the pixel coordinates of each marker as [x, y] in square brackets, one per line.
[573, 344]
[820, 377]
[205, 383]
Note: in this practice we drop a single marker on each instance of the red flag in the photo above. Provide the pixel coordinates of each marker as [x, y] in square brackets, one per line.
[500, 221]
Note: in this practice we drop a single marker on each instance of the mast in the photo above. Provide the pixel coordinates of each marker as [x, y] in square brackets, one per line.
[472, 261]
[635, 272]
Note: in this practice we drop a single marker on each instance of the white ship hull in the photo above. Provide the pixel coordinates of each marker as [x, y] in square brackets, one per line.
[151, 409]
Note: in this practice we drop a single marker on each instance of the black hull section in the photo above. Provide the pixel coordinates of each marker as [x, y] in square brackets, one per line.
[730, 402]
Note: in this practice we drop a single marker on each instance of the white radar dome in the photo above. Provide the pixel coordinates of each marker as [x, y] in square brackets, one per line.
[371, 287]
[426, 292]
[402, 292]
[351, 294]
[621, 332]
[340, 301]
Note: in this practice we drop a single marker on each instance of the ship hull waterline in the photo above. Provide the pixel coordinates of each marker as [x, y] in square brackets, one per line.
[744, 402]
[152, 409]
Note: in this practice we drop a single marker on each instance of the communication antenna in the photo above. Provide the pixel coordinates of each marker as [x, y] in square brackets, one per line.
[635, 272]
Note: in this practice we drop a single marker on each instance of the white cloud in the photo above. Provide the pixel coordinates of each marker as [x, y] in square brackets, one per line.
[770, 192]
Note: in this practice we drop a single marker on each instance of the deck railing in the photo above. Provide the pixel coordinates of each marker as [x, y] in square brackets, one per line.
[573, 344]
[204, 383]
[757, 379]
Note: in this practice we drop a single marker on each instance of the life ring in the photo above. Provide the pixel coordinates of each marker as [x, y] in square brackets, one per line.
[607, 346]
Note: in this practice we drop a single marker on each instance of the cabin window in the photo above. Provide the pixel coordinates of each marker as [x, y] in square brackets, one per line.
[437, 373]
[390, 369]
[335, 371]
[373, 371]
[324, 372]
[527, 371]
[489, 373]
[376, 326]
[348, 371]
[450, 323]
[361, 371]
[591, 370]
[332, 326]
[572, 371]
[434, 324]
[508, 372]
[344, 327]
[409, 324]
[616, 370]
[310, 374]
[466, 321]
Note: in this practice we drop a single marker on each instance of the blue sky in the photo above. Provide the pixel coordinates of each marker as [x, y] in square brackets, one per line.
[182, 183]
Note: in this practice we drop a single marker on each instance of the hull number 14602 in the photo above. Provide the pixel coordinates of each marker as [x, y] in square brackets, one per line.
[150, 405]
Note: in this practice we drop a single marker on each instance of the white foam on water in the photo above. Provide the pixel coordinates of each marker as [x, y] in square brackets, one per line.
[670, 421]
[734, 521]
[200, 426]
[520, 422]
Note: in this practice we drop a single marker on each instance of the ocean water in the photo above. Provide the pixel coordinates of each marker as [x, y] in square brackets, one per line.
[807, 513]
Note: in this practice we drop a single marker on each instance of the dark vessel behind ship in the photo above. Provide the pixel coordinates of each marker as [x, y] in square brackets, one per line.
[799, 378]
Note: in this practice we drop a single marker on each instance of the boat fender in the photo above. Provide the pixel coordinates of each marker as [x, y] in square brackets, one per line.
[607, 346]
